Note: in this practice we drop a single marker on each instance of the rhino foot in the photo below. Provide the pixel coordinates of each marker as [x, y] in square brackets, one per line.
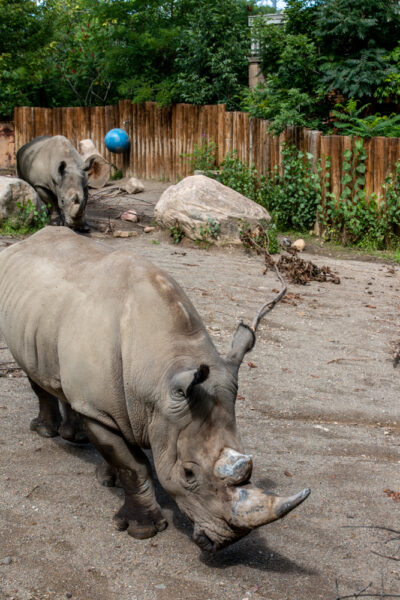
[71, 434]
[82, 227]
[42, 428]
[140, 522]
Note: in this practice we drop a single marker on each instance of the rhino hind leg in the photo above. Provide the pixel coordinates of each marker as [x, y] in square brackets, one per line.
[48, 420]
[72, 427]
[106, 474]
[140, 514]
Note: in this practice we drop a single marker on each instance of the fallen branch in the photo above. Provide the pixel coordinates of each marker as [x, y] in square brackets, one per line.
[268, 306]
[370, 527]
[385, 556]
[335, 360]
[32, 490]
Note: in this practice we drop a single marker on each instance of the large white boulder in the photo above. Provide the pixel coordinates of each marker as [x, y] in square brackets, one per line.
[199, 201]
[14, 193]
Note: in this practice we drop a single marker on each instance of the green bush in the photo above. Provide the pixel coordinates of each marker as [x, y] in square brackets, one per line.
[356, 219]
[292, 195]
[203, 157]
[27, 219]
[241, 177]
[350, 122]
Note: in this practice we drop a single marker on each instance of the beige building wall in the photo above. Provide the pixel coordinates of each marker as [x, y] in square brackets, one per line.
[255, 74]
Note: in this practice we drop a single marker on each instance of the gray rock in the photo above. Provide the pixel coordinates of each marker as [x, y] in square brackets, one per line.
[133, 186]
[198, 204]
[14, 191]
[7, 560]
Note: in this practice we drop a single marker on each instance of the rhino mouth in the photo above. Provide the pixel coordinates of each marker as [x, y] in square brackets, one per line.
[203, 541]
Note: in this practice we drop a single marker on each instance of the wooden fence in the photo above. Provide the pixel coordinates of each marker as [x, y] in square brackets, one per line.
[161, 137]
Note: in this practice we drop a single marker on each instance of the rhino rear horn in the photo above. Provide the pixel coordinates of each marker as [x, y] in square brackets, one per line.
[185, 381]
[243, 341]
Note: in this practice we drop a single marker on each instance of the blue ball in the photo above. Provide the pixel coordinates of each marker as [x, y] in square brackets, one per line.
[117, 140]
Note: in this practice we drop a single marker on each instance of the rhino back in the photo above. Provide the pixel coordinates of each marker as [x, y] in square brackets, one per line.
[38, 161]
[92, 325]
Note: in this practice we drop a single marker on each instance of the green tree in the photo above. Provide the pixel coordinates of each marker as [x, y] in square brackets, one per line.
[211, 61]
[24, 28]
[327, 50]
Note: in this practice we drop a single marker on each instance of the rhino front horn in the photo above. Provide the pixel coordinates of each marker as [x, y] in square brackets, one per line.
[252, 507]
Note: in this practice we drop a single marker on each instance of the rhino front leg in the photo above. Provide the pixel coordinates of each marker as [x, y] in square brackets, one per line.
[140, 514]
[51, 203]
[48, 420]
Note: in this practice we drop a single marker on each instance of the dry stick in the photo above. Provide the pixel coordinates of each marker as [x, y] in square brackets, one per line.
[385, 556]
[356, 594]
[32, 490]
[370, 527]
[379, 595]
[335, 360]
[268, 306]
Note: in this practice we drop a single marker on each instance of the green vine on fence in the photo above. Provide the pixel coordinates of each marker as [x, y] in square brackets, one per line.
[295, 194]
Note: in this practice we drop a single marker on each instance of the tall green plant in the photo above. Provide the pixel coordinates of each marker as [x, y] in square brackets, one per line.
[293, 193]
[350, 122]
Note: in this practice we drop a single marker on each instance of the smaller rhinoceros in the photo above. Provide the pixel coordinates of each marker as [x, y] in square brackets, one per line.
[117, 340]
[59, 175]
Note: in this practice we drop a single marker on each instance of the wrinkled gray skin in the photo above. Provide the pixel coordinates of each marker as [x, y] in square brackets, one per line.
[118, 341]
[59, 175]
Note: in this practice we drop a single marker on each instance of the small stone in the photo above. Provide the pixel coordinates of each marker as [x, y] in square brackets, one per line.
[148, 229]
[130, 215]
[133, 186]
[299, 245]
[7, 560]
[118, 233]
[160, 586]
[68, 595]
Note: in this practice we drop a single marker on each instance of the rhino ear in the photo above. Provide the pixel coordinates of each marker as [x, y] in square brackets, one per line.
[62, 167]
[243, 341]
[183, 383]
[89, 163]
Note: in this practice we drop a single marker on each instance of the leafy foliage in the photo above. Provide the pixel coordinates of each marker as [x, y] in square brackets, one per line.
[351, 123]
[203, 157]
[241, 177]
[355, 219]
[293, 194]
[85, 52]
[211, 60]
[27, 219]
[208, 233]
[177, 233]
[327, 50]
[263, 237]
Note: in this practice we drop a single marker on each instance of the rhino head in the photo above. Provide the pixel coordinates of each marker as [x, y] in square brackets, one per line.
[201, 463]
[71, 181]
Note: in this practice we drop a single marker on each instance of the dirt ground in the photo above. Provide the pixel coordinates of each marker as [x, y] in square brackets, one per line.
[318, 406]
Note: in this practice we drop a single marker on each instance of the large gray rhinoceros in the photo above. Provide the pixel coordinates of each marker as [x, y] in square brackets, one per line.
[116, 338]
[59, 175]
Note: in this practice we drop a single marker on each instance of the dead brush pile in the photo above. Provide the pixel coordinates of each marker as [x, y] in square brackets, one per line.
[290, 265]
[299, 271]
